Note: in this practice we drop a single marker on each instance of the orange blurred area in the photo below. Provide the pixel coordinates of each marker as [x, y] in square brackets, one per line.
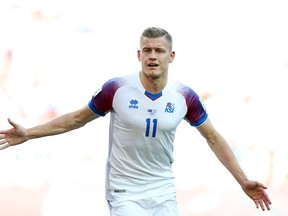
[16, 201]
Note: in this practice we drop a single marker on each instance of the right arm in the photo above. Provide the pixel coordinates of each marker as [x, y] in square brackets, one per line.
[59, 125]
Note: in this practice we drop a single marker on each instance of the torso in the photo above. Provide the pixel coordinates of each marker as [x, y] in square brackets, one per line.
[142, 131]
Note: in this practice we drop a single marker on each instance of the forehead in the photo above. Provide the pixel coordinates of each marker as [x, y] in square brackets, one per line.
[160, 42]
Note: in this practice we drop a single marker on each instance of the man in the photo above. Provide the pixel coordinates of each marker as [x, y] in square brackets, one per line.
[145, 110]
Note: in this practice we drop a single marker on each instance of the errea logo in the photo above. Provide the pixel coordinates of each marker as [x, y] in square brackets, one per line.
[133, 104]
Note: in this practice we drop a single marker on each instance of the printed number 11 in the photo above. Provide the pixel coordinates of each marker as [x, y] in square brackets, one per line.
[148, 123]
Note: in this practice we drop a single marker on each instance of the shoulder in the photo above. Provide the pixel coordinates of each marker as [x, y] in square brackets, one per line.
[116, 82]
[185, 90]
[191, 97]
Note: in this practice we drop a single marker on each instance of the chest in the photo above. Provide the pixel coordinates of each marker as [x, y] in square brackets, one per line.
[136, 110]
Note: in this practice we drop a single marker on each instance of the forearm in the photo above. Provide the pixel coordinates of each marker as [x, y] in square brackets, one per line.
[56, 126]
[226, 156]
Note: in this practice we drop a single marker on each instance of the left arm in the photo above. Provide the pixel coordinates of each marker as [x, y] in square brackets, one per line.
[224, 153]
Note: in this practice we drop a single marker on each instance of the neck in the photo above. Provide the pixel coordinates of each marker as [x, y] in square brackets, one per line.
[153, 84]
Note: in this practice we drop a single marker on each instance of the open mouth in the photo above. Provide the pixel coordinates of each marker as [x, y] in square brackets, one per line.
[152, 65]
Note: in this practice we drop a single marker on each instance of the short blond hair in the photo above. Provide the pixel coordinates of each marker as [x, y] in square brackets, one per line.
[155, 32]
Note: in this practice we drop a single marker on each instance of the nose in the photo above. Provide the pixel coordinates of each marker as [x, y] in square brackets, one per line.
[152, 55]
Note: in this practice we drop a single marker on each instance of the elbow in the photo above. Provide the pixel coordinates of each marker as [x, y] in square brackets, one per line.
[212, 139]
[78, 124]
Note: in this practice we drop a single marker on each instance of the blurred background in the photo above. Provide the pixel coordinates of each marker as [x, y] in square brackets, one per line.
[55, 54]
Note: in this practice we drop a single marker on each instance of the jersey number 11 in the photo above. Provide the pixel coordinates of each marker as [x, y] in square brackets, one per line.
[154, 129]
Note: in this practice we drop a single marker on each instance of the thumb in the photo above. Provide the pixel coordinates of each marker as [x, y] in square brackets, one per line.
[261, 185]
[255, 184]
[12, 123]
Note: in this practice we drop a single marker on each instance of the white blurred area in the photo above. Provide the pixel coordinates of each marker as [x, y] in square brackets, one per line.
[55, 54]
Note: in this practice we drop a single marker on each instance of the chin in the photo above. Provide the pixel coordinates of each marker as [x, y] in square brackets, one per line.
[154, 74]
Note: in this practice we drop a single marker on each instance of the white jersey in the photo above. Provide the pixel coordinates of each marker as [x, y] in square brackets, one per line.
[142, 131]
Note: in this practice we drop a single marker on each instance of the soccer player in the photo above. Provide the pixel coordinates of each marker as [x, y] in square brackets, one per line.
[145, 109]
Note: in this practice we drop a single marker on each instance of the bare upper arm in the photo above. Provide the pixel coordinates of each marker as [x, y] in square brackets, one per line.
[85, 115]
[207, 130]
[211, 135]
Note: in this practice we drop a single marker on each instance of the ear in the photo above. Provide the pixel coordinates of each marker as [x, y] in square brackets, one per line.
[139, 55]
[172, 56]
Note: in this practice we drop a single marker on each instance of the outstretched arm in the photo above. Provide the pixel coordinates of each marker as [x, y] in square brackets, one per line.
[67, 122]
[254, 189]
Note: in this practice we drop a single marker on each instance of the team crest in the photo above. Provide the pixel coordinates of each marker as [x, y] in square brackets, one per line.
[169, 107]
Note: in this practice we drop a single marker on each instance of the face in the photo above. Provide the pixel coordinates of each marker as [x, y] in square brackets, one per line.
[155, 56]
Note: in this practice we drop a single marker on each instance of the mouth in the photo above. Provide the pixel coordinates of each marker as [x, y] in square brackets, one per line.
[153, 65]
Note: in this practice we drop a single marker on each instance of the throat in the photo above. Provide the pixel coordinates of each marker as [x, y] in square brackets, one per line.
[152, 85]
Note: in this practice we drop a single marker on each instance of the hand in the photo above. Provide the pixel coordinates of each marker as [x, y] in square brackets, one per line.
[256, 191]
[13, 136]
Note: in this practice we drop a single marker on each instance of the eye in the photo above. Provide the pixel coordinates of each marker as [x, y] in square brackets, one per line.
[146, 50]
[160, 51]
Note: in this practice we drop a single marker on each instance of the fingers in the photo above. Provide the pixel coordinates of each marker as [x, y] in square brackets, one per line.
[261, 199]
[266, 200]
[267, 204]
[4, 146]
[2, 139]
[264, 203]
[256, 204]
[260, 203]
[3, 142]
